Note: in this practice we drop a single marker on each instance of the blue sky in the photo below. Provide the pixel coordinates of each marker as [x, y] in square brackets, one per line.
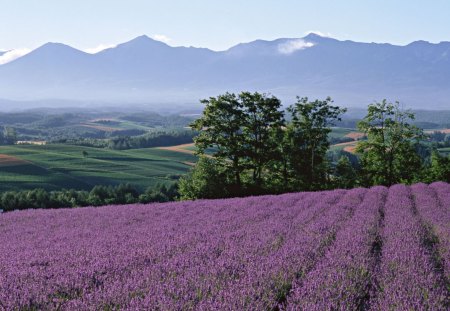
[217, 24]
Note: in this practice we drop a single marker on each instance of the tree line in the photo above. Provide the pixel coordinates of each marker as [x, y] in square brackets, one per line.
[257, 151]
[99, 195]
[8, 136]
[153, 139]
[160, 138]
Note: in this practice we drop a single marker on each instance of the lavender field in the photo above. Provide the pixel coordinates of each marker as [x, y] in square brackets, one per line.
[366, 249]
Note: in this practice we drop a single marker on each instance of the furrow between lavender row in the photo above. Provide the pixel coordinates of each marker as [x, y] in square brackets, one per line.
[96, 272]
[242, 275]
[342, 278]
[438, 218]
[407, 278]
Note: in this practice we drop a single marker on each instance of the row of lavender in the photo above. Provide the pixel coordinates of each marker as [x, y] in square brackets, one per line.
[357, 249]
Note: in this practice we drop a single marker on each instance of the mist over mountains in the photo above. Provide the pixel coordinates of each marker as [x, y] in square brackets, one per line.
[145, 71]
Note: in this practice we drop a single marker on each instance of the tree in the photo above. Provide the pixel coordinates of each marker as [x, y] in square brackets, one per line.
[307, 135]
[160, 193]
[241, 129]
[345, 174]
[85, 154]
[388, 156]
[221, 127]
[262, 118]
[439, 169]
[9, 135]
[206, 180]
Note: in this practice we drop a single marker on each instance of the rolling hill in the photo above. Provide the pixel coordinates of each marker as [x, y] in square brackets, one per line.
[55, 167]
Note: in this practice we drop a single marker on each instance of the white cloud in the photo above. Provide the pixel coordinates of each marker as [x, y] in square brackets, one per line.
[319, 33]
[99, 48]
[291, 46]
[162, 38]
[9, 56]
[12, 55]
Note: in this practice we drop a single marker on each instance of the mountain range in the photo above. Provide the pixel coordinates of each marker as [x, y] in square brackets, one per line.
[143, 70]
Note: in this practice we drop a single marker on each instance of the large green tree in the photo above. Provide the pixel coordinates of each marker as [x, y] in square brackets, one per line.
[439, 169]
[262, 119]
[344, 173]
[241, 129]
[206, 180]
[308, 143]
[220, 127]
[389, 155]
[254, 151]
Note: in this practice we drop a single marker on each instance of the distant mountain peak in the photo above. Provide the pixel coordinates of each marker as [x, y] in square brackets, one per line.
[142, 38]
[420, 43]
[144, 69]
[316, 38]
[313, 35]
[56, 48]
[142, 42]
[55, 45]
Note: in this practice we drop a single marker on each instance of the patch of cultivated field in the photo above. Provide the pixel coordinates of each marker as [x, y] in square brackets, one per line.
[63, 166]
[7, 160]
[360, 249]
[355, 135]
[103, 128]
[446, 131]
[348, 146]
[184, 148]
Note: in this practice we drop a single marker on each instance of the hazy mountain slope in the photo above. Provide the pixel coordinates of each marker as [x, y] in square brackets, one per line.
[145, 70]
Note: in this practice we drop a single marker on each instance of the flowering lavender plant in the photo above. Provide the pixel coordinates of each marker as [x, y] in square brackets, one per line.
[367, 249]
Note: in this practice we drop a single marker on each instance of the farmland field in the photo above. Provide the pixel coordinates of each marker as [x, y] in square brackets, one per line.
[55, 166]
[360, 249]
[444, 151]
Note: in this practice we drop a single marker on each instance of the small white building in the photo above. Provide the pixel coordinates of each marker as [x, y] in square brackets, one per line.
[31, 142]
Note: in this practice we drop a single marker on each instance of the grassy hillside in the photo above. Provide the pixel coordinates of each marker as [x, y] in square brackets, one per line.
[57, 166]
[62, 166]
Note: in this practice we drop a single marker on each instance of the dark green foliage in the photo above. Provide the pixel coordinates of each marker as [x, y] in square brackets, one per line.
[242, 129]
[221, 126]
[99, 195]
[389, 156]
[344, 174]
[8, 136]
[206, 180]
[255, 151]
[153, 139]
[437, 136]
[308, 137]
[439, 168]
[161, 193]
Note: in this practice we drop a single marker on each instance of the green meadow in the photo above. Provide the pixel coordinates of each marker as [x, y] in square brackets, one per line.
[55, 166]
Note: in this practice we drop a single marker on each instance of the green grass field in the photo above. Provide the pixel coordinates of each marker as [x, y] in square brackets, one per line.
[445, 151]
[339, 132]
[54, 167]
